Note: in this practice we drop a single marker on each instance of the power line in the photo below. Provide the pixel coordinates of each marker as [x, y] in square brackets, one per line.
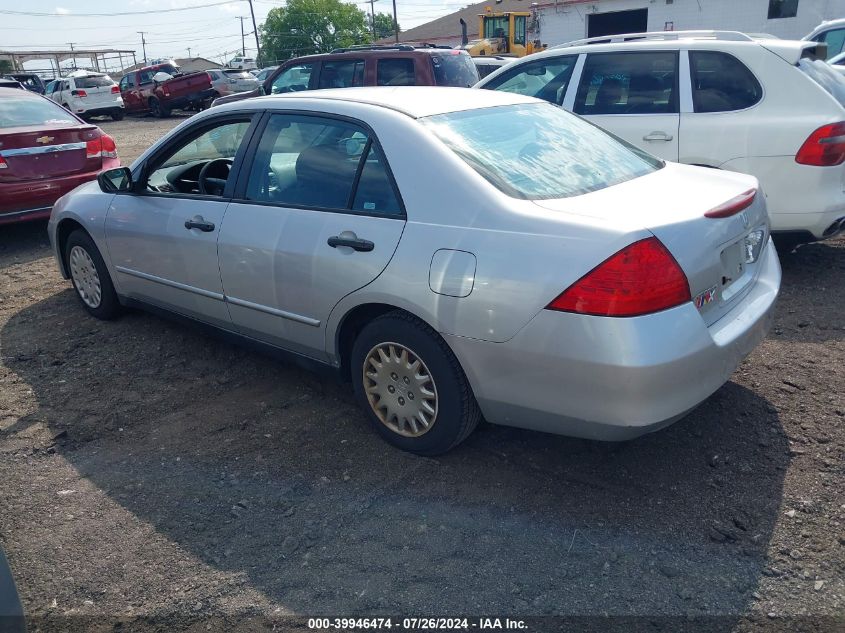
[107, 15]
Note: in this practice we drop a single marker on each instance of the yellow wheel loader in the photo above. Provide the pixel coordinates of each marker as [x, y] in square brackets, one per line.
[500, 34]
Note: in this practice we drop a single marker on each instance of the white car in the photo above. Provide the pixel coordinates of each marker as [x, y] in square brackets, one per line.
[87, 94]
[243, 63]
[831, 33]
[725, 100]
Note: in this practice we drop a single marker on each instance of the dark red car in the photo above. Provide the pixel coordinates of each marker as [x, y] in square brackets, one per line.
[45, 151]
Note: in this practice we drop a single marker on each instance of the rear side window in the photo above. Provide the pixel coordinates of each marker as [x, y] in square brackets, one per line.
[454, 69]
[395, 72]
[825, 76]
[835, 41]
[545, 79]
[722, 83]
[539, 151]
[293, 79]
[629, 83]
[93, 82]
[23, 112]
[343, 73]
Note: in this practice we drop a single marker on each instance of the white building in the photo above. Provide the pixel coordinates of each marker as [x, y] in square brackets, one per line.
[556, 22]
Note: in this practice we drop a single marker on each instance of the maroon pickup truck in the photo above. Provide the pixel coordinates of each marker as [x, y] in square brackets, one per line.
[142, 94]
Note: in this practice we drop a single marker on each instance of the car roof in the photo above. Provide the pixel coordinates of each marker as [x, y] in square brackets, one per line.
[824, 26]
[414, 101]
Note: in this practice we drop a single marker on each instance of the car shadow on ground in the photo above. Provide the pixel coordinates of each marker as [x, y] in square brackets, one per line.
[22, 243]
[269, 472]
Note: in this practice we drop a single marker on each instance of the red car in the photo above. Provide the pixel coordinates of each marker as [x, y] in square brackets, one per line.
[45, 151]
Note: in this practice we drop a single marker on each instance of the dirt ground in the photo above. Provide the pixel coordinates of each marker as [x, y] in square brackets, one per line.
[157, 479]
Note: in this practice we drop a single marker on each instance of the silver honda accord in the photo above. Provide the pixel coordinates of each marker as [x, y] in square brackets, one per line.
[455, 254]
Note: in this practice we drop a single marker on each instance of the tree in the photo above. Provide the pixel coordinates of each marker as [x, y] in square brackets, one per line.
[384, 26]
[304, 27]
[5, 66]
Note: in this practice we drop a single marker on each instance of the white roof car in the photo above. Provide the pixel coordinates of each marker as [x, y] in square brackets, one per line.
[832, 33]
[87, 94]
[766, 107]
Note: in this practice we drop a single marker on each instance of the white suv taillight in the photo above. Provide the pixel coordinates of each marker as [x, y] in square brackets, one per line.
[824, 148]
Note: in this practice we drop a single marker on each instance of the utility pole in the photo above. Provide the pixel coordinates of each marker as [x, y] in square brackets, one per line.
[243, 37]
[255, 31]
[189, 53]
[395, 23]
[143, 45]
[72, 57]
[373, 13]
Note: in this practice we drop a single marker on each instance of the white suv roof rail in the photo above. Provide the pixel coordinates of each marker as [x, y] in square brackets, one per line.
[730, 36]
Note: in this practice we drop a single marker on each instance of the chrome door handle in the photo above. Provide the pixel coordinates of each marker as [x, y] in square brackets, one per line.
[658, 136]
[198, 222]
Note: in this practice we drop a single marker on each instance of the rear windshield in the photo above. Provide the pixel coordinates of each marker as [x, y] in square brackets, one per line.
[25, 112]
[539, 151]
[100, 81]
[828, 78]
[454, 68]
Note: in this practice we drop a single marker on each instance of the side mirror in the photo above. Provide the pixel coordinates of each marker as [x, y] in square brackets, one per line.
[114, 180]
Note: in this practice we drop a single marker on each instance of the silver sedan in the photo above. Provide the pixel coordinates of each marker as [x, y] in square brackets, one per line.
[455, 254]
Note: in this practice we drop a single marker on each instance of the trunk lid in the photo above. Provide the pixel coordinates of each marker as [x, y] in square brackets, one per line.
[671, 203]
[98, 90]
[39, 153]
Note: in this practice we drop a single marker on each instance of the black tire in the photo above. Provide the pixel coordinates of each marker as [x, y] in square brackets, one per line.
[157, 109]
[457, 410]
[109, 306]
[117, 115]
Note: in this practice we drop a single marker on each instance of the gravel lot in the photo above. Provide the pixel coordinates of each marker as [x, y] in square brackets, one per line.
[154, 478]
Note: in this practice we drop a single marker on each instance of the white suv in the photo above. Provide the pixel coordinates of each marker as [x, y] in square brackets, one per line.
[727, 100]
[243, 63]
[87, 94]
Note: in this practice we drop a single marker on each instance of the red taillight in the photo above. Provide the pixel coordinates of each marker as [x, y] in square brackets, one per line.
[3, 163]
[109, 149]
[101, 147]
[115, 90]
[824, 148]
[79, 93]
[640, 279]
[733, 206]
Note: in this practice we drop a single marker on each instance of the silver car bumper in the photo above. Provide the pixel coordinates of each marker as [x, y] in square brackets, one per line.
[615, 379]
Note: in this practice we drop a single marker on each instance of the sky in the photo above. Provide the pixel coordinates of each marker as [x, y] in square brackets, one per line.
[213, 32]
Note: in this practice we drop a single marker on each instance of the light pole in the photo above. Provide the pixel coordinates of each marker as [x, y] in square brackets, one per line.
[144, 46]
[243, 37]
[189, 53]
[395, 24]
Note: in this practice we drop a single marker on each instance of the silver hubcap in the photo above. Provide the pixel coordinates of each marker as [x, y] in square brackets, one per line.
[400, 389]
[85, 277]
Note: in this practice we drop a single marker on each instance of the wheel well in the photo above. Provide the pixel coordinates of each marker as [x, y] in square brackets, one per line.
[65, 228]
[352, 325]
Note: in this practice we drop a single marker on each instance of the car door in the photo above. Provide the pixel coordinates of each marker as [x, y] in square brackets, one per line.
[62, 93]
[545, 78]
[162, 236]
[721, 119]
[131, 99]
[317, 216]
[634, 95]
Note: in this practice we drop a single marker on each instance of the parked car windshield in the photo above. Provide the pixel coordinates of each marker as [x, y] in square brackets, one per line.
[451, 69]
[821, 72]
[93, 81]
[539, 151]
[26, 112]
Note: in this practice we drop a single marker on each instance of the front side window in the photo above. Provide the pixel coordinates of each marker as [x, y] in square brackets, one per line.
[545, 79]
[519, 29]
[539, 151]
[496, 27]
[317, 163]
[395, 72]
[51, 87]
[145, 76]
[293, 79]
[343, 73]
[201, 164]
[782, 9]
[722, 83]
[628, 83]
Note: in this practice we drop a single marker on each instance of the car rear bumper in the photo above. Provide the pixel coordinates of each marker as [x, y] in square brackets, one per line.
[33, 200]
[615, 379]
[798, 197]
